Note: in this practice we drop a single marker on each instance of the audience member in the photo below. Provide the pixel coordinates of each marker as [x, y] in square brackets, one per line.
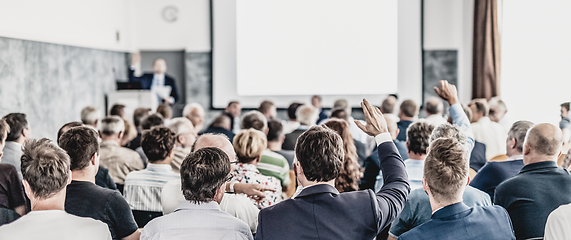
[306, 115]
[407, 113]
[434, 109]
[372, 164]
[237, 205]
[117, 110]
[361, 147]
[90, 116]
[565, 123]
[143, 188]
[102, 177]
[185, 136]
[478, 154]
[166, 111]
[316, 102]
[203, 175]
[388, 107]
[276, 138]
[349, 175]
[234, 111]
[249, 145]
[46, 173]
[83, 197]
[540, 187]
[19, 133]
[355, 131]
[417, 141]
[12, 200]
[129, 134]
[445, 179]
[291, 124]
[494, 173]
[268, 108]
[120, 161]
[195, 113]
[498, 111]
[138, 115]
[149, 122]
[558, 222]
[320, 211]
[222, 125]
[492, 134]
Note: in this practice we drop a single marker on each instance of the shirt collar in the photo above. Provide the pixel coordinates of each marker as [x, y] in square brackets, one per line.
[449, 210]
[515, 157]
[188, 205]
[109, 142]
[159, 167]
[538, 165]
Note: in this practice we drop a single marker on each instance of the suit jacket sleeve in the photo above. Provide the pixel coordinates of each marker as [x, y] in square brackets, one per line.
[174, 92]
[132, 77]
[391, 199]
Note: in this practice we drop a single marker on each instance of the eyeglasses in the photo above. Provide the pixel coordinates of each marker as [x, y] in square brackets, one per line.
[235, 162]
[229, 178]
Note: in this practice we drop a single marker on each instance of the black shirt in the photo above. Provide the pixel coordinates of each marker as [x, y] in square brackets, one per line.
[86, 199]
[11, 190]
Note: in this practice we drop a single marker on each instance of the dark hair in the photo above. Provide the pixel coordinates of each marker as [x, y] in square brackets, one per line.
[254, 119]
[481, 106]
[157, 143]
[408, 108]
[340, 113]
[165, 110]
[565, 105]
[17, 123]
[4, 130]
[66, 127]
[220, 121]
[81, 144]
[45, 167]
[275, 130]
[139, 114]
[202, 173]
[117, 110]
[434, 106]
[418, 137]
[151, 121]
[320, 153]
[232, 102]
[446, 168]
[291, 110]
[265, 106]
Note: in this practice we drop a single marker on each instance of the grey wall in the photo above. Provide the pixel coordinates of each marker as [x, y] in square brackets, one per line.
[51, 83]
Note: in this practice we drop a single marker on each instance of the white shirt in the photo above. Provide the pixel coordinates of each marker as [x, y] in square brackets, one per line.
[55, 225]
[492, 134]
[558, 224]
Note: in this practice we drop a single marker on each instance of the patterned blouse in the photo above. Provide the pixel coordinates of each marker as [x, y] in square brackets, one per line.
[248, 173]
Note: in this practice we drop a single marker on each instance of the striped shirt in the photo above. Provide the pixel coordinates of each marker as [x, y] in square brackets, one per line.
[274, 165]
[143, 188]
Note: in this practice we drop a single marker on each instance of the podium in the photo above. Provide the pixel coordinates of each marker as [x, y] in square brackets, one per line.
[132, 99]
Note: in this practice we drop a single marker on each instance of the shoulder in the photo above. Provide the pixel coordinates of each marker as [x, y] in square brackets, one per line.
[273, 158]
[8, 169]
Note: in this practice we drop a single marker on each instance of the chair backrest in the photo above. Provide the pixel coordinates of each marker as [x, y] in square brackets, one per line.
[560, 159]
[472, 173]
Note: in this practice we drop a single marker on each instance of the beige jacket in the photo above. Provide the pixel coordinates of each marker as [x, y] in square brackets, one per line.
[120, 161]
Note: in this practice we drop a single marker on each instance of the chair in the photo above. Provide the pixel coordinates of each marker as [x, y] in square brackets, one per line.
[144, 217]
[472, 173]
[560, 160]
[499, 158]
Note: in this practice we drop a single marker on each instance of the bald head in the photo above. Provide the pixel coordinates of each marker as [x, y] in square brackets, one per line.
[434, 106]
[392, 127]
[215, 140]
[543, 142]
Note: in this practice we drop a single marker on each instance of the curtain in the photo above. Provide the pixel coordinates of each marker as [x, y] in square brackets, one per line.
[486, 50]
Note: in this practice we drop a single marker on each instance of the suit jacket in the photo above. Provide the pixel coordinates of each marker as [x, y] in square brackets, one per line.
[458, 221]
[478, 156]
[147, 79]
[291, 139]
[321, 212]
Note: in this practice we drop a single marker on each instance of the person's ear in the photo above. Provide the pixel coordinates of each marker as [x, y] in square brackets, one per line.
[425, 186]
[514, 143]
[120, 134]
[170, 153]
[180, 139]
[95, 123]
[526, 149]
[69, 177]
[27, 189]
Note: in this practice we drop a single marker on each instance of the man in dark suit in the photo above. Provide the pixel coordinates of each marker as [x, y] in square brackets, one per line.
[158, 78]
[306, 115]
[445, 179]
[320, 211]
[221, 125]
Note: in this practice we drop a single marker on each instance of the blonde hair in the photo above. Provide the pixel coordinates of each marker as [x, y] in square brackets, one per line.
[249, 145]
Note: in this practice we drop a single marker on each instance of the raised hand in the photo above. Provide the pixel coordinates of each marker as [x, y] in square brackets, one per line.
[447, 92]
[376, 123]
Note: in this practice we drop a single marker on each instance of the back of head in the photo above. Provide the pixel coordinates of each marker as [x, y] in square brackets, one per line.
[342, 104]
[275, 130]
[139, 114]
[181, 125]
[518, 131]
[265, 106]
[408, 108]
[498, 104]
[89, 115]
[292, 109]
[481, 106]
[316, 101]
[434, 106]
[17, 123]
[388, 105]
[165, 110]
[4, 130]
[152, 120]
[195, 113]
[202, 173]
[319, 151]
[565, 105]
[66, 127]
[418, 137]
[213, 140]
[446, 170]
[340, 114]
[157, 143]
[249, 145]
[545, 140]
[392, 126]
[254, 119]
[117, 110]
[112, 125]
[448, 130]
[222, 121]
[45, 167]
[81, 144]
[307, 115]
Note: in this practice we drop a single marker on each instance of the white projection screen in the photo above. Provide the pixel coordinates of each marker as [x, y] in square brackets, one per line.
[289, 50]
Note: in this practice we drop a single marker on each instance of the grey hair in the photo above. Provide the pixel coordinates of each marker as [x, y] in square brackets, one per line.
[307, 115]
[180, 125]
[448, 130]
[89, 115]
[112, 125]
[518, 131]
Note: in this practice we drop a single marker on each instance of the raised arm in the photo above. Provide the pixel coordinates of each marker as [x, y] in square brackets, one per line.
[392, 196]
[449, 93]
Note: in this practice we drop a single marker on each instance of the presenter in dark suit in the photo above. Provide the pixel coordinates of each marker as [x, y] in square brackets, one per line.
[320, 211]
[445, 179]
[157, 78]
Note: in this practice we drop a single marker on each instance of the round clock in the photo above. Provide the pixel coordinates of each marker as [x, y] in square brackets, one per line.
[170, 13]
